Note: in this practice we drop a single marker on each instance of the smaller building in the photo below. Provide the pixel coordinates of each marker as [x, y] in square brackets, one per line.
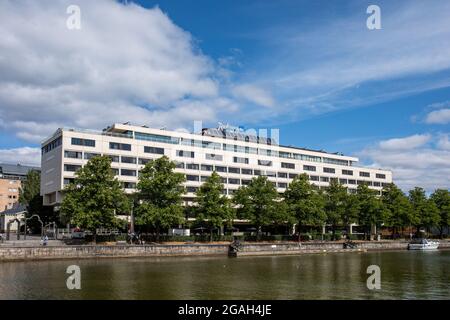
[11, 177]
[16, 212]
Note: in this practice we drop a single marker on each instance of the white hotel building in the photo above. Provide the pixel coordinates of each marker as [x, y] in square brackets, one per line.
[235, 156]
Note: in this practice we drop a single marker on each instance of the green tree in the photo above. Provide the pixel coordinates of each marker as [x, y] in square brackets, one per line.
[29, 195]
[305, 203]
[425, 212]
[335, 203]
[95, 197]
[441, 199]
[398, 209]
[371, 209]
[212, 206]
[351, 210]
[160, 192]
[257, 202]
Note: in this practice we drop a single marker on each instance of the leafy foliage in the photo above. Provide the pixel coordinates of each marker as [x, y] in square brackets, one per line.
[213, 207]
[95, 197]
[29, 195]
[159, 193]
[257, 202]
[305, 203]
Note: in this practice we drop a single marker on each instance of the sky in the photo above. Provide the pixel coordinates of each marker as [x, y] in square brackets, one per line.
[312, 69]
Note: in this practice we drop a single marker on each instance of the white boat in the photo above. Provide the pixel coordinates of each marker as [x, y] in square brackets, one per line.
[423, 244]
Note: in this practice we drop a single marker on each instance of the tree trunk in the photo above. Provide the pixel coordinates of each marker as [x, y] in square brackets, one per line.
[258, 233]
[210, 235]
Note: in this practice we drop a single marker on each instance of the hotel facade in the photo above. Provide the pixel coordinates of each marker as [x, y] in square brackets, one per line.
[234, 155]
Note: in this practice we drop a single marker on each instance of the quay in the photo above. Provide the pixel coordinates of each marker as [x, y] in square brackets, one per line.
[28, 251]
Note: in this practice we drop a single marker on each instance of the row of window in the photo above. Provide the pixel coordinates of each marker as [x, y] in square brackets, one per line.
[51, 145]
[132, 160]
[214, 146]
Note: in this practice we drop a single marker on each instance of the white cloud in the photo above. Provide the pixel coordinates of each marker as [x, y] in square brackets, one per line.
[407, 143]
[444, 143]
[24, 155]
[423, 165]
[438, 117]
[340, 64]
[254, 94]
[127, 63]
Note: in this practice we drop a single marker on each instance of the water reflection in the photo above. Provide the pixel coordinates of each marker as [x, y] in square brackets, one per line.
[404, 275]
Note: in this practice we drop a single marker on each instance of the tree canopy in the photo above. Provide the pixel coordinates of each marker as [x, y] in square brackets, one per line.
[95, 197]
[213, 208]
[159, 193]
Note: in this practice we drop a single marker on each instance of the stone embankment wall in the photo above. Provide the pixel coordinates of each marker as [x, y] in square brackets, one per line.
[157, 250]
[93, 251]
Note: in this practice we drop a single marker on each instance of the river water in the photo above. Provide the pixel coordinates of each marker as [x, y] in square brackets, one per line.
[404, 275]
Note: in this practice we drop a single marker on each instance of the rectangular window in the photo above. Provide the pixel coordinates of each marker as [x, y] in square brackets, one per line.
[234, 170]
[376, 184]
[247, 171]
[271, 174]
[324, 179]
[343, 181]
[128, 172]
[71, 167]
[192, 166]
[203, 178]
[240, 160]
[364, 174]
[347, 172]
[192, 178]
[336, 161]
[129, 185]
[68, 180]
[212, 156]
[282, 185]
[113, 158]
[191, 189]
[144, 161]
[221, 169]
[207, 167]
[309, 168]
[380, 176]
[156, 138]
[120, 146]
[73, 154]
[128, 160]
[257, 172]
[154, 150]
[282, 175]
[233, 181]
[83, 142]
[179, 165]
[266, 163]
[288, 165]
[292, 175]
[186, 154]
[90, 155]
[314, 178]
[329, 170]
[246, 182]
[351, 181]
[384, 184]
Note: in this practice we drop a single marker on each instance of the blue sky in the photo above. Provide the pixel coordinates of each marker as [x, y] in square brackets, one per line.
[312, 69]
